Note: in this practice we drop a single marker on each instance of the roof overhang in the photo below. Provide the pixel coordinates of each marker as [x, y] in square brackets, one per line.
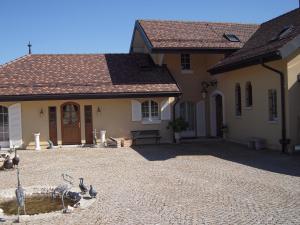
[247, 62]
[39, 97]
[138, 27]
[194, 50]
[282, 53]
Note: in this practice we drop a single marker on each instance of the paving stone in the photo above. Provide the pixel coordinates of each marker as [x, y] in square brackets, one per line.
[203, 183]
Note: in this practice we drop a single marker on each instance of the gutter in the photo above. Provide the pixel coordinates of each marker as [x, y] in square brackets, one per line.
[283, 141]
[38, 97]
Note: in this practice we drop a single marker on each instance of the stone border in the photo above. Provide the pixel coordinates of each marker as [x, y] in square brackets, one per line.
[8, 194]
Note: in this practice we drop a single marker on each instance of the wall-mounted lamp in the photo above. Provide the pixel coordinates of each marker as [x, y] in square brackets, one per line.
[98, 109]
[205, 85]
[41, 112]
[298, 77]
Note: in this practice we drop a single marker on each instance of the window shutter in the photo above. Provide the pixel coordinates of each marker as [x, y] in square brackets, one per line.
[165, 110]
[15, 125]
[136, 111]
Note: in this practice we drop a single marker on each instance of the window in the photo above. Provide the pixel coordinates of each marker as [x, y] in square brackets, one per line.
[4, 134]
[286, 31]
[188, 113]
[70, 114]
[238, 100]
[185, 62]
[248, 94]
[273, 114]
[150, 110]
[232, 37]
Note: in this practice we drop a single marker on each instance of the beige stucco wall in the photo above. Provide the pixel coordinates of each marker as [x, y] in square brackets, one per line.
[115, 118]
[254, 121]
[190, 82]
[293, 67]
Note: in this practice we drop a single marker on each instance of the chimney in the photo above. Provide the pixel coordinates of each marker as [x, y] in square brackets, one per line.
[29, 48]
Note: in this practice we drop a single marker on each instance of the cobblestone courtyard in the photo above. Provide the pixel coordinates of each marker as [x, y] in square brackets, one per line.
[205, 183]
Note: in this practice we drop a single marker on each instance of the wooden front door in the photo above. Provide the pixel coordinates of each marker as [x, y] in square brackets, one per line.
[219, 115]
[70, 124]
[52, 124]
[88, 119]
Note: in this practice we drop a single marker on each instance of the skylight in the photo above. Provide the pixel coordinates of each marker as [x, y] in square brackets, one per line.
[232, 37]
[283, 33]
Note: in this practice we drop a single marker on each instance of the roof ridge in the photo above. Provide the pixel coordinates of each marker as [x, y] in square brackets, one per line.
[194, 21]
[282, 15]
[14, 60]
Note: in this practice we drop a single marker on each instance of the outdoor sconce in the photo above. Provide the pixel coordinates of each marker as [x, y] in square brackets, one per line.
[298, 77]
[41, 112]
[98, 110]
[205, 85]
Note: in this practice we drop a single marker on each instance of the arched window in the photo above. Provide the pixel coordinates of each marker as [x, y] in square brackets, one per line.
[150, 110]
[238, 100]
[248, 94]
[4, 130]
[273, 111]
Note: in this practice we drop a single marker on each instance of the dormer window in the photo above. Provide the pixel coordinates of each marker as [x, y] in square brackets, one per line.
[185, 62]
[283, 33]
[232, 37]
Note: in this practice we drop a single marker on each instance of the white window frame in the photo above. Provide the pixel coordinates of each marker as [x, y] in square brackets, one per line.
[150, 119]
[185, 59]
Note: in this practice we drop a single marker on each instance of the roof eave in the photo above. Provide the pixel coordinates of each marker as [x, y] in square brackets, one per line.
[247, 62]
[194, 50]
[138, 27]
[290, 47]
[68, 96]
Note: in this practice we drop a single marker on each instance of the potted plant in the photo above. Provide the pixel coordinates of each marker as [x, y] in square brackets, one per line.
[178, 125]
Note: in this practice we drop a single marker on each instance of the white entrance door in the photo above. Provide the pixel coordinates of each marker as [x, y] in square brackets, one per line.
[4, 129]
[201, 122]
[188, 113]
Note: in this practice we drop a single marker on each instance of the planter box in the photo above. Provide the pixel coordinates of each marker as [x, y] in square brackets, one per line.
[126, 142]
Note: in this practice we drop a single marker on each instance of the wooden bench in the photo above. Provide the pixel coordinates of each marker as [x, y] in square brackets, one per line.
[145, 134]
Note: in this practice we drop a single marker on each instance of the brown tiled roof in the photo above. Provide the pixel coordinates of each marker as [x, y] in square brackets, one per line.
[261, 44]
[102, 74]
[179, 34]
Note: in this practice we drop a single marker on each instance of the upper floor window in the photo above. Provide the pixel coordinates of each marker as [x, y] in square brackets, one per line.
[273, 113]
[248, 94]
[150, 110]
[185, 62]
[238, 100]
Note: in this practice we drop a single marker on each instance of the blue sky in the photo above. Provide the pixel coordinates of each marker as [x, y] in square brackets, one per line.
[105, 26]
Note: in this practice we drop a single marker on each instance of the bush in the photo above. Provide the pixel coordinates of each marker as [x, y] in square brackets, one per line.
[178, 125]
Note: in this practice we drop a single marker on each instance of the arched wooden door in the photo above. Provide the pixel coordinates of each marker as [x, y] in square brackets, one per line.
[70, 124]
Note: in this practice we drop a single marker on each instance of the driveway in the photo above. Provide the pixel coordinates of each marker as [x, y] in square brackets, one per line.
[203, 183]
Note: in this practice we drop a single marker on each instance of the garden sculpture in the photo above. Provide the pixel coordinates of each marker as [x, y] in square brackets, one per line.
[8, 163]
[74, 196]
[50, 144]
[95, 137]
[16, 158]
[92, 192]
[82, 187]
[63, 189]
[20, 196]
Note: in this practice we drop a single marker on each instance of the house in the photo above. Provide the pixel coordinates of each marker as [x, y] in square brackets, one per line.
[65, 97]
[226, 80]
[260, 86]
[189, 49]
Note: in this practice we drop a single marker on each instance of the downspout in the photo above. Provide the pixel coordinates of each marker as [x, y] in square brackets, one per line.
[284, 141]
